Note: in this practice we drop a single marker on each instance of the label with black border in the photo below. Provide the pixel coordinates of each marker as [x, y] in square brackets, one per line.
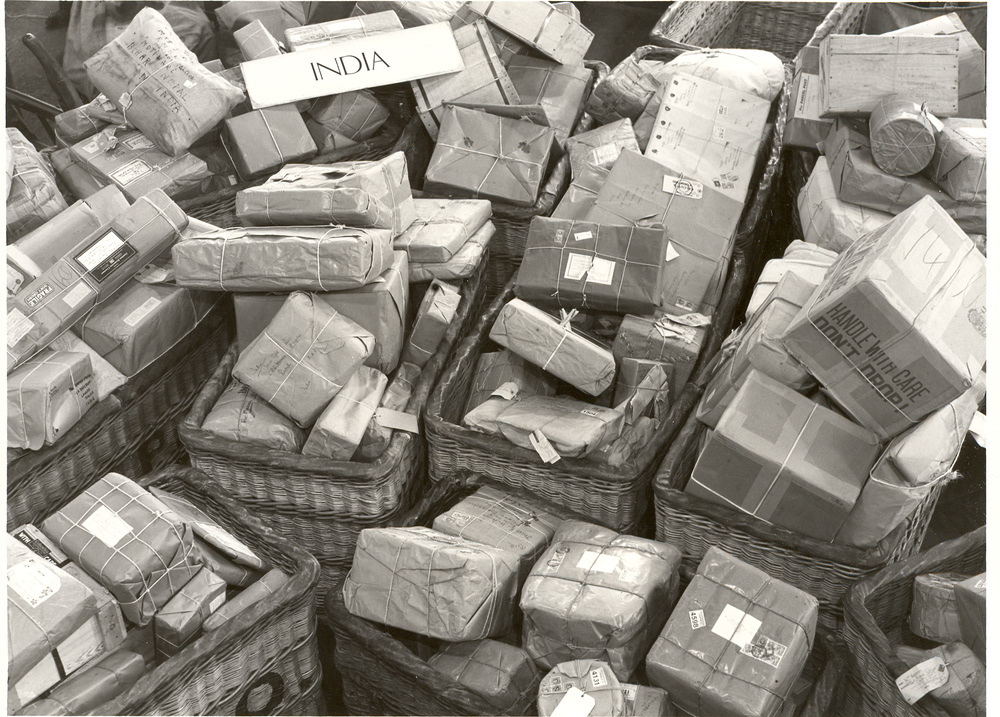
[105, 255]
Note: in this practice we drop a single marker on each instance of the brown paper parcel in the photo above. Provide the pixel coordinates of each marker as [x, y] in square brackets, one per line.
[501, 674]
[540, 25]
[591, 677]
[959, 162]
[436, 312]
[496, 368]
[442, 228]
[662, 339]
[81, 122]
[255, 41]
[736, 641]
[599, 595]
[309, 37]
[431, 583]
[397, 395]
[970, 599]
[32, 195]
[178, 623]
[47, 396]
[343, 120]
[600, 147]
[282, 258]
[262, 141]
[340, 427]
[243, 416]
[559, 89]
[411, 13]
[581, 194]
[462, 265]
[88, 689]
[933, 614]
[304, 357]
[100, 530]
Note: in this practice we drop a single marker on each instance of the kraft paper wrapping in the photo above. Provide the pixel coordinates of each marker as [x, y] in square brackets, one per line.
[779, 456]
[581, 195]
[32, 195]
[243, 416]
[505, 44]
[462, 265]
[902, 136]
[269, 584]
[598, 595]
[537, 23]
[582, 265]
[178, 623]
[276, 15]
[159, 84]
[483, 155]
[559, 89]
[411, 13]
[805, 128]
[970, 599]
[933, 613]
[661, 339]
[495, 369]
[397, 395]
[141, 322]
[483, 80]
[592, 677]
[282, 258]
[256, 42]
[600, 147]
[808, 262]
[90, 688]
[643, 701]
[632, 372]
[47, 396]
[554, 346]
[45, 605]
[85, 120]
[906, 356]
[504, 521]
[304, 357]
[100, 530]
[736, 641]
[829, 222]
[431, 584]
[965, 691]
[343, 120]
[959, 162]
[309, 37]
[262, 141]
[437, 311]
[131, 162]
[235, 575]
[501, 674]
[90, 274]
[442, 228]
[106, 377]
[339, 429]
[859, 181]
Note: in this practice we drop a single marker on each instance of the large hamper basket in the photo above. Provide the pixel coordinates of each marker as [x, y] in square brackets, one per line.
[322, 504]
[876, 612]
[265, 660]
[133, 431]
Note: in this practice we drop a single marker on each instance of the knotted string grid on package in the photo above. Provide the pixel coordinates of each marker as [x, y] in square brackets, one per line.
[522, 518]
[342, 120]
[416, 230]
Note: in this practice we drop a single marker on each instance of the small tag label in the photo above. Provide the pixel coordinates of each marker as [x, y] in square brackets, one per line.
[76, 295]
[592, 412]
[18, 326]
[138, 141]
[598, 678]
[765, 649]
[107, 526]
[697, 618]
[542, 447]
[90, 147]
[575, 703]
[125, 100]
[33, 581]
[597, 562]
[583, 236]
[683, 187]
[925, 677]
[397, 420]
[671, 252]
[736, 626]
[142, 311]
[129, 172]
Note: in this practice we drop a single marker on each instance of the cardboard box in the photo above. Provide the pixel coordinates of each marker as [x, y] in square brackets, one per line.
[583, 265]
[431, 583]
[540, 25]
[88, 689]
[497, 368]
[241, 415]
[178, 623]
[262, 141]
[600, 147]
[89, 274]
[559, 89]
[462, 265]
[411, 13]
[700, 222]
[255, 41]
[361, 194]
[736, 641]
[282, 258]
[304, 357]
[581, 195]
[46, 396]
[856, 71]
[141, 322]
[959, 162]
[779, 456]
[343, 120]
[554, 346]
[933, 613]
[970, 599]
[501, 674]
[829, 222]
[506, 161]
[595, 594]
[592, 677]
[339, 429]
[32, 195]
[442, 228]
[484, 80]
[805, 128]
[437, 311]
[309, 37]
[661, 339]
[897, 329]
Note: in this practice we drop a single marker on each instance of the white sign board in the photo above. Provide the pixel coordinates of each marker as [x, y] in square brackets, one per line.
[353, 64]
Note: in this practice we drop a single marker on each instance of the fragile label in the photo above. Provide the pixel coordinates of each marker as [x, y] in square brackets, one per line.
[925, 677]
[18, 326]
[765, 649]
[397, 420]
[142, 311]
[129, 172]
[697, 618]
[75, 296]
[33, 581]
[575, 703]
[683, 187]
[582, 236]
[36, 297]
[597, 562]
[107, 526]
[542, 447]
[736, 626]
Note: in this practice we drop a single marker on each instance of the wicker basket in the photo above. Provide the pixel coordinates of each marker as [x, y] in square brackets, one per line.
[319, 503]
[266, 660]
[876, 617]
[133, 431]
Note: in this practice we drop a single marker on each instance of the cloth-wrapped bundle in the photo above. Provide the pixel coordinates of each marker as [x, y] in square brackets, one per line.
[32, 195]
[241, 415]
[47, 396]
[501, 674]
[755, 72]
[343, 120]
[339, 429]
[441, 228]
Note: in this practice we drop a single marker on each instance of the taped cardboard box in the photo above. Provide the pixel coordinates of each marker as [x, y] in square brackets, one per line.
[178, 623]
[343, 120]
[506, 161]
[759, 633]
[437, 311]
[590, 677]
[805, 128]
[47, 396]
[282, 258]
[700, 222]
[662, 339]
[396, 398]
[241, 415]
[933, 614]
[142, 322]
[462, 265]
[90, 688]
[829, 222]
[581, 194]
[304, 357]
[83, 121]
[339, 429]
[600, 147]
[583, 265]
[496, 368]
[959, 162]
[362, 194]
[964, 689]
[970, 599]
[897, 329]
[159, 84]
[598, 595]
[90, 274]
[554, 346]
[556, 35]
[441, 228]
[779, 456]
[255, 41]
[501, 674]
[32, 195]
[262, 141]
[411, 13]
[431, 583]
[559, 89]
[100, 529]
[309, 37]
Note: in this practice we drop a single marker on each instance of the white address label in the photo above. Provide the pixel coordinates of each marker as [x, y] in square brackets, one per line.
[683, 187]
[736, 626]
[107, 526]
[33, 581]
[925, 677]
